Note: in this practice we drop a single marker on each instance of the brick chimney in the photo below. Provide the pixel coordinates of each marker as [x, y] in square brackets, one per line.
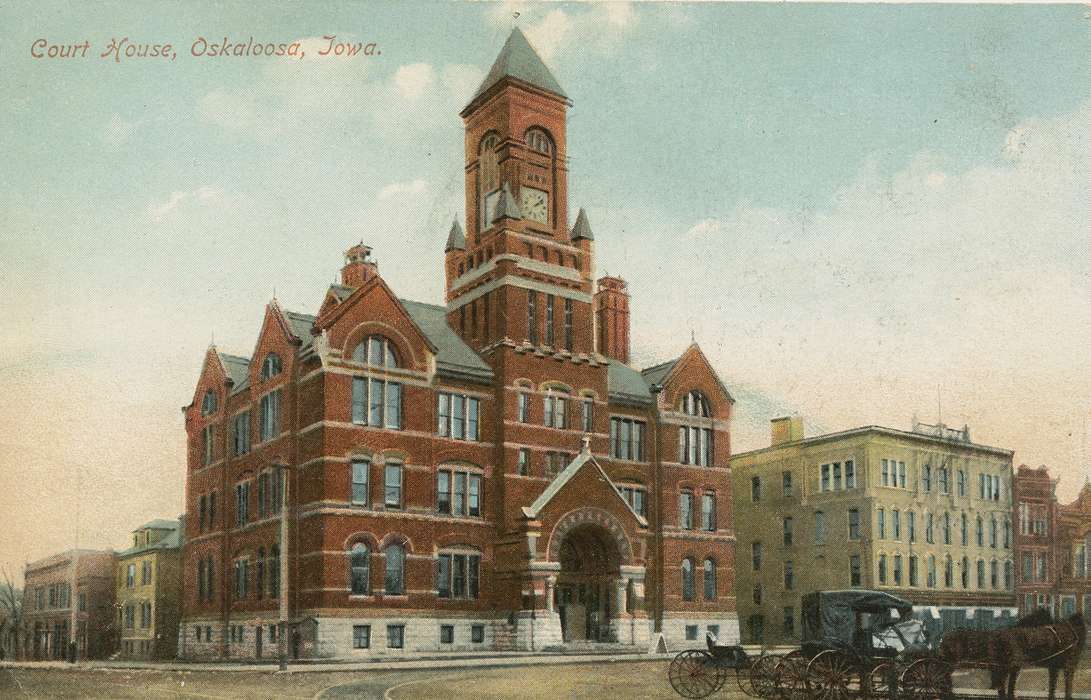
[359, 267]
[788, 429]
[612, 318]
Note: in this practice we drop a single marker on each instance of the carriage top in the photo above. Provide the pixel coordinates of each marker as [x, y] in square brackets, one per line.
[833, 614]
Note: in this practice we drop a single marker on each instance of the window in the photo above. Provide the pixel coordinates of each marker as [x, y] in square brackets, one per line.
[549, 338]
[477, 634]
[211, 509]
[208, 403]
[885, 479]
[272, 366]
[524, 408]
[395, 570]
[789, 621]
[361, 469]
[787, 529]
[691, 632]
[961, 483]
[376, 402]
[555, 411]
[209, 442]
[708, 512]
[926, 478]
[882, 523]
[948, 572]
[587, 414]
[242, 503]
[1043, 570]
[377, 351]
[981, 573]
[568, 324]
[695, 441]
[263, 490]
[854, 524]
[831, 476]
[687, 579]
[756, 625]
[130, 578]
[819, 527]
[755, 555]
[912, 523]
[457, 575]
[897, 518]
[259, 578]
[786, 480]
[523, 467]
[850, 474]
[964, 532]
[854, 570]
[145, 614]
[446, 634]
[538, 141]
[459, 417]
[789, 575]
[130, 617]
[242, 584]
[931, 577]
[392, 486]
[458, 493]
[944, 482]
[202, 508]
[532, 316]
[636, 497]
[913, 577]
[242, 433]
[882, 569]
[1009, 575]
[685, 510]
[946, 528]
[360, 569]
[627, 439]
[965, 574]
[897, 569]
[361, 636]
[992, 532]
[994, 574]
[270, 415]
[1007, 533]
[1028, 568]
[710, 579]
[395, 636]
[980, 532]
[273, 566]
[928, 529]
[145, 573]
[755, 488]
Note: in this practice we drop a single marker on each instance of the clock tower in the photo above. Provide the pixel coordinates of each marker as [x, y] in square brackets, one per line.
[518, 272]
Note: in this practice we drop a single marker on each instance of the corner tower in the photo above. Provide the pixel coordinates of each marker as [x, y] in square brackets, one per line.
[519, 268]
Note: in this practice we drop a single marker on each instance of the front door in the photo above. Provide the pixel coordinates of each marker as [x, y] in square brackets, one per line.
[589, 566]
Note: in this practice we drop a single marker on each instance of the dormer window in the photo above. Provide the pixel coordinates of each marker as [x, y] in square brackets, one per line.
[272, 366]
[208, 403]
[377, 351]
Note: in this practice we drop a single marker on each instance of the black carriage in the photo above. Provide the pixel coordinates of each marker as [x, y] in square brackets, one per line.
[698, 673]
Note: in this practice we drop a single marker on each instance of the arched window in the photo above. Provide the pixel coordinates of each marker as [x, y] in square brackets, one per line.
[965, 572]
[208, 403]
[695, 442]
[259, 573]
[948, 572]
[710, 579]
[377, 351]
[272, 366]
[687, 579]
[359, 568]
[695, 404]
[538, 140]
[395, 570]
[946, 528]
[488, 177]
[1009, 575]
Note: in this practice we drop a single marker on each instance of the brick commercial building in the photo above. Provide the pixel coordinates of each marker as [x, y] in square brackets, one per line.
[490, 473]
[149, 591]
[924, 514]
[48, 599]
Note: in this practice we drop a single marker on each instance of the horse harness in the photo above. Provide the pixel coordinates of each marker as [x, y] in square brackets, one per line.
[1053, 629]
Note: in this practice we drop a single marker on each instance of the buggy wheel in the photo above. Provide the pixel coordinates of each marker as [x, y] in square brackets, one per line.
[928, 679]
[695, 674]
[743, 678]
[790, 677]
[762, 678]
[831, 676]
[881, 682]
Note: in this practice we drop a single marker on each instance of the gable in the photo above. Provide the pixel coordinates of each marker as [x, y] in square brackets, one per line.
[586, 482]
[691, 370]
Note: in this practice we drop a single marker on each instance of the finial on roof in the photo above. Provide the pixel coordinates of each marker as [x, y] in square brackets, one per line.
[507, 207]
[456, 239]
[582, 229]
[586, 448]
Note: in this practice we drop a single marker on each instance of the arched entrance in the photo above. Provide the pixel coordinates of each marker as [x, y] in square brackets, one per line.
[586, 586]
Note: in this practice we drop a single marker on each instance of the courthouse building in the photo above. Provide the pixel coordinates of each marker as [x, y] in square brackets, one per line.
[487, 473]
[149, 591]
[83, 578]
[924, 514]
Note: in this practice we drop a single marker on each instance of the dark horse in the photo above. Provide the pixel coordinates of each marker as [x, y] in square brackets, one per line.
[1005, 651]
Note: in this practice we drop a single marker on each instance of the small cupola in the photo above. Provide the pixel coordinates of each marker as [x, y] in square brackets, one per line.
[359, 267]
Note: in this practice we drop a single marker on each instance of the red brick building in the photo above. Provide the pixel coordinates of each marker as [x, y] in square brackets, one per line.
[82, 578]
[490, 473]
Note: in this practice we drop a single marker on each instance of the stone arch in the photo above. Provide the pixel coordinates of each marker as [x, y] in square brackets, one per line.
[590, 516]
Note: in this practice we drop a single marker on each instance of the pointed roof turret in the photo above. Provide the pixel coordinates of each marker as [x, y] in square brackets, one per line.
[519, 60]
[507, 207]
[582, 229]
[456, 239]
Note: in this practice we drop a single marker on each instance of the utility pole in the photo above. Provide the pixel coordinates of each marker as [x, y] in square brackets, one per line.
[658, 468]
[282, 625]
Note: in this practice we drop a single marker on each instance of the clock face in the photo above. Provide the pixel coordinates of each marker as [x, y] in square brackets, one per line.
[535, 204]
[490, 208]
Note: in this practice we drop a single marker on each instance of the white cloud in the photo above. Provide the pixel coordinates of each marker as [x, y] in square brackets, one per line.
[395, 189]
[118, 131]
[555, 31]
[414, 79]
[205, 196]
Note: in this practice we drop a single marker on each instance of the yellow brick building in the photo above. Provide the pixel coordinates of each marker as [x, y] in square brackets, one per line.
[924, 514]
[149, 591]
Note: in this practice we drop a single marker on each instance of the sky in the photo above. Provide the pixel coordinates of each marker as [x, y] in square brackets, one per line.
[862, 213]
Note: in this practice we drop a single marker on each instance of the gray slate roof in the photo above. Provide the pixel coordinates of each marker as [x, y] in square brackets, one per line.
[173, 540]
[582, 229]
[456, 239]
[657, 373]
[342, 291]
[520, 61]
[454, 355]
[507, 207]
[301, 325]
[238, 368]
[626, 383]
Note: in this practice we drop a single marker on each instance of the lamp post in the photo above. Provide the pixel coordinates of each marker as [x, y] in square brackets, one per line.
[282, 624]
[658, 467]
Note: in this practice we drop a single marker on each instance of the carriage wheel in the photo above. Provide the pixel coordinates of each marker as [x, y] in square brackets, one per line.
[762, 678]
[881, 680]
[695, 674]
[831, 676]
[928, 679]
[743, 678]
[790, 676]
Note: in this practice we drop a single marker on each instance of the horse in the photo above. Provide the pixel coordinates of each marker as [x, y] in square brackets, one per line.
[985, 646]
[1055, 646]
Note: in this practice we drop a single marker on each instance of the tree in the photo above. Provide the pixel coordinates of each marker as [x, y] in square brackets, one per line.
[11, 612]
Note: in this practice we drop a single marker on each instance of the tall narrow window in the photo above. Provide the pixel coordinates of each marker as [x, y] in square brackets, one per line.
[209, 440]
[360, 469]
[854, 524]
[587, 410]
[687, 579]
[710, 579]
[524, 407]
[549, 320]
[271, 367]
[532, 316]
[208, 403]
[708, 512]
[242, 433]
[568, 324]
[274, 571]
[395, 570]
[819, 527]
[270, 415]
[523, 467]
[788, 531]
[392, 491]
[359, 568]
[685, 510]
